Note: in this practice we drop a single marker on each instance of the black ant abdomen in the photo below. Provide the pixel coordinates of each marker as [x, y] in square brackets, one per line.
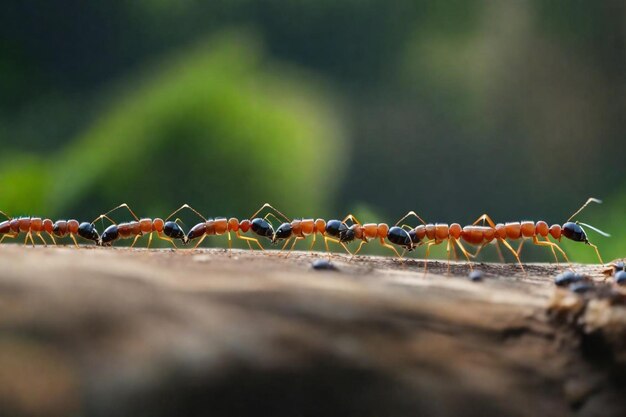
[262, 227]
[174, 231]
[399, 236]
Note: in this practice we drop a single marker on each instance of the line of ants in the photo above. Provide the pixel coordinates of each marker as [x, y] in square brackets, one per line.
[399, 236]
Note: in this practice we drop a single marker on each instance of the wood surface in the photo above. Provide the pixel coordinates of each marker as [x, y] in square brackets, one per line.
[134, 332]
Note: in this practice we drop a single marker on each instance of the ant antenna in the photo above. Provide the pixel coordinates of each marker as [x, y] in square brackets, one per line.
[591, 200]
[595, 229]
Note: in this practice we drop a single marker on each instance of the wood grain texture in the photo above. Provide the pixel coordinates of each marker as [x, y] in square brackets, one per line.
[100, 332]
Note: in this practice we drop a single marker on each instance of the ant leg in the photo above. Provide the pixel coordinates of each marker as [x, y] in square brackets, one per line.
[293, 245]
[267, 205]
[53, 239]
[448, 250]
[167, 239]
[428, 245]
[499, 251]
[123, 205]
[519, 261]
[483, 218]
[460, 245]
[149, 241]
[286, 243]
[313, 242]
[249, 239]
[200, 241]
[387, 245]
[556, 259]
[409, 214]
[519, 248]
[552, 245]
[74, 239]
[10, 236]
[272, 215]
[480, 248]
[29, 236]
[456, 255]
[589, 201]
[352, 218]
[185, 206]
[41, 238]
[597, 252]
[103, 216]
[363, 242]
[5, 215]
[332, 239]
[135, 240]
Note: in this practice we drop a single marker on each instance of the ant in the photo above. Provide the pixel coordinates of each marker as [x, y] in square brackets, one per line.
[299, 229]
[381, 231]
[71, 228]
[13, 226]
[36, 226]
[221, 225]
[139, 227]
[529, 230]
[500, 233]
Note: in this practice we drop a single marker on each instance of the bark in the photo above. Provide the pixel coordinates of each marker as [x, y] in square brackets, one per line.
[101, 332]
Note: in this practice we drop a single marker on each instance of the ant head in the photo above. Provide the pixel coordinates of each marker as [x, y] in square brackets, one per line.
[336, 228]
[415, 240]
[575, 232]
[110, 234]
[86, 231]
[195, 232]
[283, 232]
[174, 231]
[262, 227]
[349, 234]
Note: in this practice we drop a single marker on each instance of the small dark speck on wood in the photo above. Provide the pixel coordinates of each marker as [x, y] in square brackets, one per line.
[476, 276]
[323, 265]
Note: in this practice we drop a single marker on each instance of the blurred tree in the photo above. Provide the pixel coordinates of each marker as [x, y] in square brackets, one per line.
[211, 126]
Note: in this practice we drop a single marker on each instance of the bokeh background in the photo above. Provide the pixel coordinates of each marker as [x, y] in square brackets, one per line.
[452, 109]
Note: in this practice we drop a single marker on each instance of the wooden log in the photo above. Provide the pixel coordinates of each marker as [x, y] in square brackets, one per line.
[123, 332]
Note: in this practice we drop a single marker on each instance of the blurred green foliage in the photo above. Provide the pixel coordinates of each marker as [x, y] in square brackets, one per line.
[212, 126]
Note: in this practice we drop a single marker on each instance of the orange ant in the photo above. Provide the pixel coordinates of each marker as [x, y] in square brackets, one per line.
[71, 228]
[12, 227]
[139, 227]
[529, 230]
[36, 226]
[500, 233]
